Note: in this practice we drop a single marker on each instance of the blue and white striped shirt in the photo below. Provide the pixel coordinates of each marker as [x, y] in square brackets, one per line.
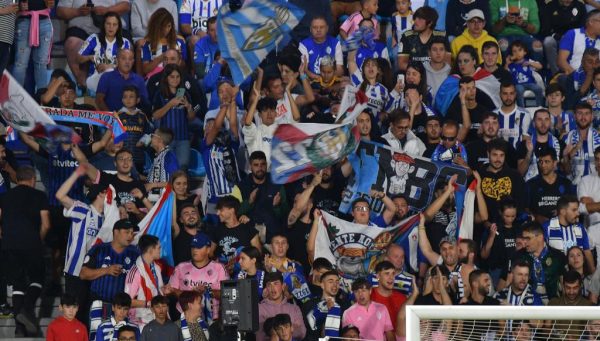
[197, 12]
[106, 54]
[513, 125]
[222, 171]
[85, 224]
[109, 330]
[582, 163]
[563, 238]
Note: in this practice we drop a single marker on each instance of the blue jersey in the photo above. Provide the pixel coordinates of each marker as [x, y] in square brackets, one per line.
[148, 54]
[204, 52]
[197, 12]
[109, 330]
[315, 51]
[521, 74]
[378, 51]
[176, 118]
[103, 255]
[562, 238]
[379, 98]
[103, 54]
[136, 124]
[594, 99]
[222, 171]
[576, 41]
[513, 125]
[401, 24]
[60, 167]
[444, 154]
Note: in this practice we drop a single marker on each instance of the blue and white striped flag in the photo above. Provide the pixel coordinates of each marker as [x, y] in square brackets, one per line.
[247, 35]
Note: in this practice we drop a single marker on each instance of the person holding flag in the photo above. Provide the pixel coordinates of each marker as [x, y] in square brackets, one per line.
[292, 271]
[86, 221]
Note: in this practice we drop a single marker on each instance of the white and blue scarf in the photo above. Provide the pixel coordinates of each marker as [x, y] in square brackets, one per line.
[185, 330]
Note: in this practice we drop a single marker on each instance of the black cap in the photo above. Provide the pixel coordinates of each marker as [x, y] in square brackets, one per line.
[124, 224]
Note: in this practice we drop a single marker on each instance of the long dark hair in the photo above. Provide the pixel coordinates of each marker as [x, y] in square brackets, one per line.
[365, 83]
[422, 86]
[254, 253]
[471, 51]
[118, 36]
[164, 82]
[156, 23]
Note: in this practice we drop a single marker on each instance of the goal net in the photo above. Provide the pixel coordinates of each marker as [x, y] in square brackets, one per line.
[515, 323]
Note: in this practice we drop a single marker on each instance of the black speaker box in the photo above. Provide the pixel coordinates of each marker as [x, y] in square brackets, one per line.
[239, 304]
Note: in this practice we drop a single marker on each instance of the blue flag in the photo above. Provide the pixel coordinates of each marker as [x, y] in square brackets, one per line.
[247, 35]
[158, 223]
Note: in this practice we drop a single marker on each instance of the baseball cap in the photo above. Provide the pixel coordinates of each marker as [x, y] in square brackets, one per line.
[448, 239]
[124, 224]
[200, 240]
[475, 13]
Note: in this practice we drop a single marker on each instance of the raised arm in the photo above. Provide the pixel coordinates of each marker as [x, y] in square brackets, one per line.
[437, 204]
[466, 116]
[425, 245]
[63, 190]
[482, 213]
[312, 236]
[302, 200]
[30, 142]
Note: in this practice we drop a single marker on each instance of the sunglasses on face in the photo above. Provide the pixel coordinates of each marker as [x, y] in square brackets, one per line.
[361, 208]
[448, 138]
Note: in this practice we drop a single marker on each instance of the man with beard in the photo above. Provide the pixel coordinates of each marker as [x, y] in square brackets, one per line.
[580, 145]
[433, 135]
[322, 313]
[513, 121]
[189, 218]
[544, 190]
[519, 293]
[477, 150]
[571, 283]
[403, 281]
[481, 285]
[498, 180]
[262, 201]
[325, 190]
[541, 138]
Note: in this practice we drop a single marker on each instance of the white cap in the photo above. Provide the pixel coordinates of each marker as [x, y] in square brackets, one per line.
[475, 13]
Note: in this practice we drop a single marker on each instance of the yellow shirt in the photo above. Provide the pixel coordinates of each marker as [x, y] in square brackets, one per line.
[467, 39]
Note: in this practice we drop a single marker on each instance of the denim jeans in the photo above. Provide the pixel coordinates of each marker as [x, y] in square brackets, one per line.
[40, 54]
[181, 148]
[537, 90]
[5, 50]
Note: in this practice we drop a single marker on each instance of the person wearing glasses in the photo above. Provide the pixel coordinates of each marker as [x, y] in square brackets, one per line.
[474, 35]
[450, 149]
[127, 333]
[401, 137]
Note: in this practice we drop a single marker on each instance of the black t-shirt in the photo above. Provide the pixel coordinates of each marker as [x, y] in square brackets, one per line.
[495, 186]
[476, 114]
[181, 247]
[429, 148]
[189, 200]
[542, 196]
[502, 75]
[477, 154]
[412, 46]
[298, 235]
[21, 219]
[123, 188]
[522, 148]
[426, 300]
[329, 199]
[503, 248]
[229, 240]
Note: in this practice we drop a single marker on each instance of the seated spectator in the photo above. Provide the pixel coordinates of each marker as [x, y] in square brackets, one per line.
[577, 161]
[84, 19]
[49, 95]
[571, 49]
[194, 17]
[571, 282]
[514, 120]
[109, 95]
[33, 43]
[319, 45]
[161, 36]
[206, 49]
[541, 138]
[173, 110]
[370, 317]
[99, 51]
[161, 327]
[251, 267]
[457, 13]
[519, 292]
[66, 327]
[415, 42]
[516, 20]
[230, 234]
[141, 12]
[136, 125]
[401, 137]
[275, 303]
[556, 18]
[437, 68]
[402, 20]
[578, 84]
[144, 281]
[191, 323]
[562, 120]
[490, 54]
[368, 10]
[474, 34]
[110, 329]
[292, 67]
[436, 288]
[522, 71]
[577, 261]
[165, 161]
[200, 274]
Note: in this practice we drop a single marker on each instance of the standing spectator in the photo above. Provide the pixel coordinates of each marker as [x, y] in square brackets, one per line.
[318, 45]
[161, 328]
[457, 14]
[433, 135]
[371, 318]
[259, 136]
[580, 145]
[144, 281]
[142, 10]
[136, 125]
[29, 45]
[275, 303]
[562, 120]
[467, 111]
[556, 18]
[206, 49]
[402, 20]
[189, 224]
[66, 327]
[437, 68]
[8, 10]
[84, 19]
[415, 42]
[481, 286]
[109, 96]
[110, 328]
[571, 296]
[106, 265]
[343, 7]
[438, 282]
[368, 10]
[474, 34]
[491, 62]
[161, 36]
[251, 267]
[541, 138]
[99, 51]
[192, 326]
[164, 164]
[194, 16]
[516, 20]
[514, 120]
[574, 42]
[401, 137]
[25, 220]
[385, 294]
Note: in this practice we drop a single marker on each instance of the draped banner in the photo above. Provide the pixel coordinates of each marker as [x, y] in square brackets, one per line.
[105, 119]
[158, 223]
[23, 114]
[378, 167]
[247, 35]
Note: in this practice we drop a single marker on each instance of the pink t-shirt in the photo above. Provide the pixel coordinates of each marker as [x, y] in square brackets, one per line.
[353, 21]
[186, 277]
[372, 322]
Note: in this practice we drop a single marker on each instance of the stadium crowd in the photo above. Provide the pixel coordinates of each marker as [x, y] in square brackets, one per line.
[509, 90]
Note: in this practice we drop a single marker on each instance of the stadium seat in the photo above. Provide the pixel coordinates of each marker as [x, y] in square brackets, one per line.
[529, 96]
[196, 167]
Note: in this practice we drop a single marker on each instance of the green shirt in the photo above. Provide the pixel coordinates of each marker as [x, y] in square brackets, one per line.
[553, 265]
[529, 12]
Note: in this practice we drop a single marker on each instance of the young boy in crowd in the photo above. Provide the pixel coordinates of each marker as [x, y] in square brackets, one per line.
[368, 11]
[402, 20]
[562, 121]
[165, 161]
[66, 327]
[282, 324]
[522, 70]
[594, 99]
[135, 123]
[109, 329]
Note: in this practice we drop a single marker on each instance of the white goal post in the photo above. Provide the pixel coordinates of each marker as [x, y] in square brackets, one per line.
[416, 313]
